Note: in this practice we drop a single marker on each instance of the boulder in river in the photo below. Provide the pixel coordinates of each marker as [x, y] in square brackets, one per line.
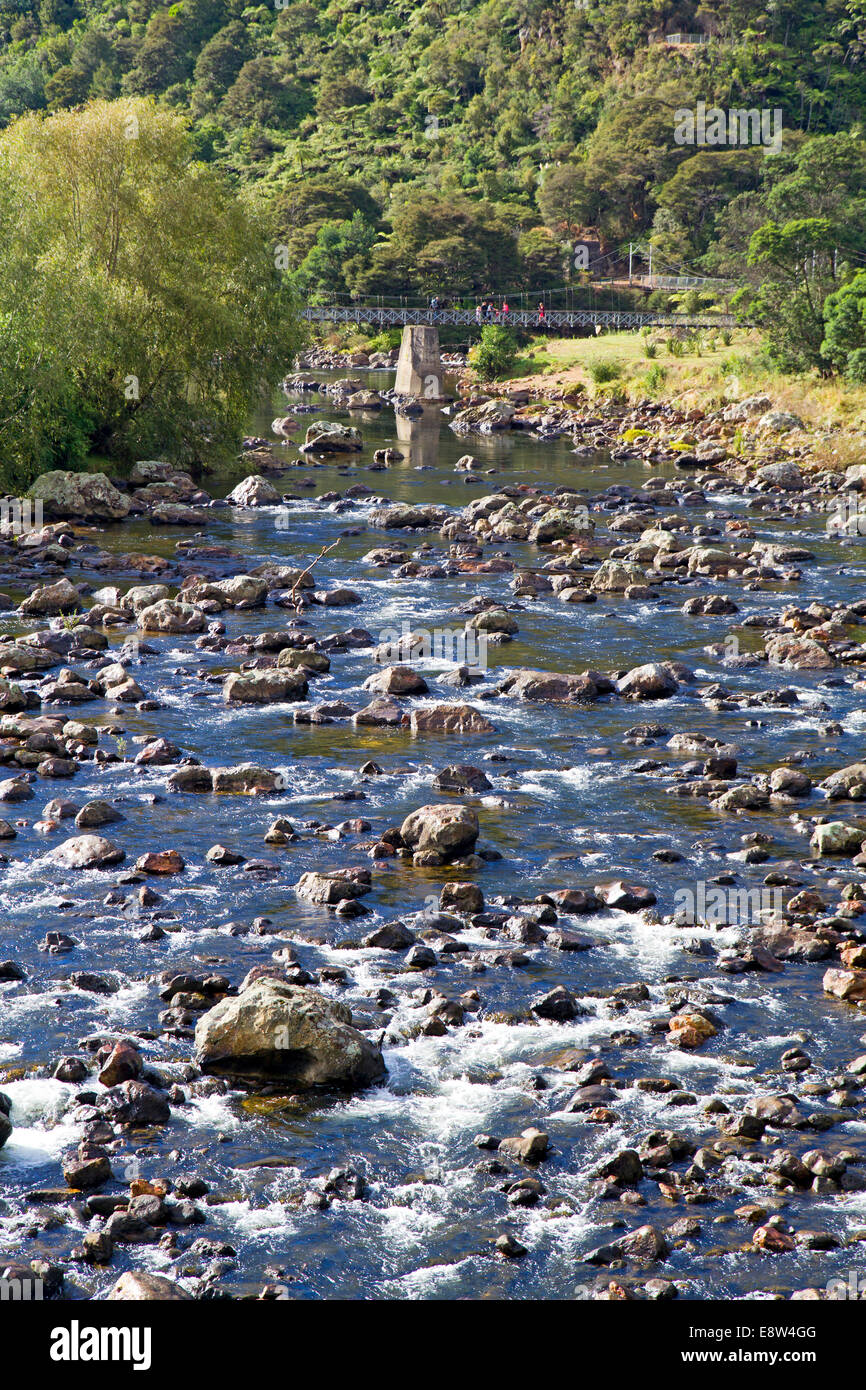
[85, 496]
[847, 783]
[448, 830]
[649, 682]
[5, 1122]
[254, 491]
[449, 719]
[247, 779]
[140, 1286]
[461, 777]
[835, 837]
[845, 984]
[615, 576]
[170, 615]
[333, 888]
[276, 1032]
[397, 680]
[552, 685]
[798, 653]
[382, 712]
[61, 597]
[404, 516]
[86, 852]
[264, 687]
[324, 437]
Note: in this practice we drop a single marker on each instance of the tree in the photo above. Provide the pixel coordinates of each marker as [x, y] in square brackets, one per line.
[144, 292]
[796, 261]
[301, 208]
[542, 258]
[563, 200]
[219, 64]
[844, 345]
[496, 354]
[339, 247]
[163, 57]
[263, 94]
[452, 243]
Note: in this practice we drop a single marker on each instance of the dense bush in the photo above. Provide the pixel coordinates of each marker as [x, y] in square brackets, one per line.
[496, 354]
[141, 304]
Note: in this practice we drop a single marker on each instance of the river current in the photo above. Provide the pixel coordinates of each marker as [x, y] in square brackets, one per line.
[566, 808]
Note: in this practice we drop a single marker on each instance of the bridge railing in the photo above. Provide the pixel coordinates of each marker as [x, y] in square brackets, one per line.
[384, 316]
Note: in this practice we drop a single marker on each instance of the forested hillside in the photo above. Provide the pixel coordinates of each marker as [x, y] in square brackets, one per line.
[407, 146]
[387, 147]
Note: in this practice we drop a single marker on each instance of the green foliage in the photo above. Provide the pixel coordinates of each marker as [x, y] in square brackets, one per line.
[654, 378]
[478, 139]
[844, 345]
[604, 369]
[141, 307]
[496, 354]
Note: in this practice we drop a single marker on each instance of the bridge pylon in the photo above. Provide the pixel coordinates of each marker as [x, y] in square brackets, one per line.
[419, 367]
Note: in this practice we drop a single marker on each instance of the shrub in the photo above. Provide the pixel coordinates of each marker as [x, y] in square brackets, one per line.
[496, 354]
[604, 369]
[655, 377]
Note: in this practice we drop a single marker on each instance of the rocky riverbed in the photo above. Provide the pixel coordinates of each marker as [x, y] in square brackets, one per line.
[433, 860]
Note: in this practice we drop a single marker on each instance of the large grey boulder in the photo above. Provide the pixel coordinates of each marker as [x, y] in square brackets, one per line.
[404, 516]
[615, 576]
[780, 422]
[785, 475]
[169, 615]
[138, 1286]
[86, 852]
[278, 1032]
[62, 597]
[254, 491]
[552, 685]
[847, 783]
[264, 687]
[331, 438]
[449, 830]
[247, 779]
[142, 596]
[87, 496]
[649, 682]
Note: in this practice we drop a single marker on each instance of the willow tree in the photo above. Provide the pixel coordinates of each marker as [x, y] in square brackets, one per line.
[143, 302]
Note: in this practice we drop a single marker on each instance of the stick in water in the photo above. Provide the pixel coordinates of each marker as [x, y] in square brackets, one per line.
[311, 566]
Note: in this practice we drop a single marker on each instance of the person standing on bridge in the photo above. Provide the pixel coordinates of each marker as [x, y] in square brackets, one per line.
[434, 302]
[541, 318]
[478, 313]
[505, 308]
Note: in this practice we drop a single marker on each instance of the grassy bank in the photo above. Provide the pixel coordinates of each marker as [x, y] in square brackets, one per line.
[703, 373]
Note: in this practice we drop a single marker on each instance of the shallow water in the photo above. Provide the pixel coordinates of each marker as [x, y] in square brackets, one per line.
[561, 812]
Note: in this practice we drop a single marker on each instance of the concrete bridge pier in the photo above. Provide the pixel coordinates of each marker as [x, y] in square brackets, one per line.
[419, 369]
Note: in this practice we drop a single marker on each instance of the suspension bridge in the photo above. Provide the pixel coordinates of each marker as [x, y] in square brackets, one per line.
[401, 316]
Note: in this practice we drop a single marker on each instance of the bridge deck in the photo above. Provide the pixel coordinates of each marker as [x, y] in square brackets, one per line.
[522, 318]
